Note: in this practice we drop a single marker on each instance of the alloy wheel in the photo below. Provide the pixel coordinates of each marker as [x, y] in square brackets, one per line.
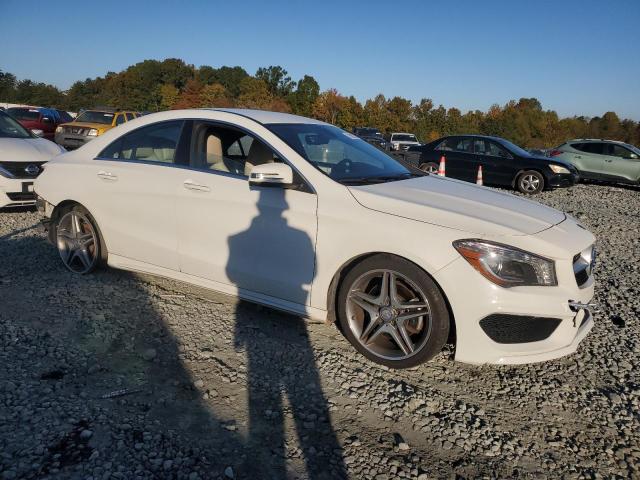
[77, 242]
[529, 183]
[388, 314]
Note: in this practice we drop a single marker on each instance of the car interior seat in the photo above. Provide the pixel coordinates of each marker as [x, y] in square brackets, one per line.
[259, 153]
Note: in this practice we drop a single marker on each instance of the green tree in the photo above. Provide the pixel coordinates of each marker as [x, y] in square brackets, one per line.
[277, 79]
[7, 86]
[305, 95]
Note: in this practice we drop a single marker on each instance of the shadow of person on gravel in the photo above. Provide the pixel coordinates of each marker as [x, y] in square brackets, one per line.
[280, 361]
[100, 354]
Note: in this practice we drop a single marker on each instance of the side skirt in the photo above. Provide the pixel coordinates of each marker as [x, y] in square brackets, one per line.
[306, 311]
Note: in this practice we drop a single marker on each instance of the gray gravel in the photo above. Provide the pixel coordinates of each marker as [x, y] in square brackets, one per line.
[116, 376]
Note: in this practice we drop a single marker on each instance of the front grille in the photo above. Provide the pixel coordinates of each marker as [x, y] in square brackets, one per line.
[503, 328]
[23, 169]
[76, 130]
[21, 197]
[583, 264]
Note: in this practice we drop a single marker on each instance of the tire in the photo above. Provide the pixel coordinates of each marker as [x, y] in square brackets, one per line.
[78, 240]
[429, 167]
[368, 319]
[530, 182]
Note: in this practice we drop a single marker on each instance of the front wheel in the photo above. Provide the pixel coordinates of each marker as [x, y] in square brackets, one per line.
[530, 182]
[392, 312]
[78, 240]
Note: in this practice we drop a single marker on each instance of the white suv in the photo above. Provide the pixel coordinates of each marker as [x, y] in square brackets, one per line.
[22, 155]
[301, 216]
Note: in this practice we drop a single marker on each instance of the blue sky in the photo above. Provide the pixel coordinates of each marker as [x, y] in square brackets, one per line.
[576, 57]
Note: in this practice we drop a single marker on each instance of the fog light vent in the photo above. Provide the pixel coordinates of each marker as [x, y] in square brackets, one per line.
[503, 328]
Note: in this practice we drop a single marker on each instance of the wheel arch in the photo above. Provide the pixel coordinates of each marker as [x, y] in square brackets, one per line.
[61, 207]
[338, 277]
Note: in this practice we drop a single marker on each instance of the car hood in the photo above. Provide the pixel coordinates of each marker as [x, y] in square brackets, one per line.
[27, 150]
[97, 126]
[552, 160]
[458, 205]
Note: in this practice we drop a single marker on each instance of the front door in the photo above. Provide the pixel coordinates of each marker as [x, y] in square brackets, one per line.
[621, 163]
[259, 239]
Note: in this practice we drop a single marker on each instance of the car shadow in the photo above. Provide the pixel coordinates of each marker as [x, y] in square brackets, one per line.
[111, 352]
[100, 353]
[282, 378]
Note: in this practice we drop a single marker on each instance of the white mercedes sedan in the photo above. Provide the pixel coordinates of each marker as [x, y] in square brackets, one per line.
[301, 216]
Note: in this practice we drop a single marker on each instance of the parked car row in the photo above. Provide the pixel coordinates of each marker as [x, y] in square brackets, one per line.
[41, 121]
[90, 124]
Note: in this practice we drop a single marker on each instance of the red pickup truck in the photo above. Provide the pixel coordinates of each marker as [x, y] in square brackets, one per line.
[38, 118]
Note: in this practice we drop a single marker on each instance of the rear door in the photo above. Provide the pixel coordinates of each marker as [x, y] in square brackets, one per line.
[589, 159]
[134, 183]
[458, 152]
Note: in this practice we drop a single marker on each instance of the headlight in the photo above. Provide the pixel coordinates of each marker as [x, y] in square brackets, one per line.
[93, 132]
[507, 266]
[558, 169]
[59, 129]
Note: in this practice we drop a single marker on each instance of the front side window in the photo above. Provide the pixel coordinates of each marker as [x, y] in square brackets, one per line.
[216, 148]
[154, 143]
[92, 116]
[617, 151]
[120, 119]
[340, 155]
[495, 150]
[9, 128]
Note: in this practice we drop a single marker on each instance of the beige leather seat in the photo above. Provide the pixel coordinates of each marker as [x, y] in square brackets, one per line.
[259, 153]
[217, 161]
[156, 150]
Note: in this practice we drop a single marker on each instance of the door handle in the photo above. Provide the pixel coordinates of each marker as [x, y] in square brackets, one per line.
[577, 156]
[191, 185]
[107, 175]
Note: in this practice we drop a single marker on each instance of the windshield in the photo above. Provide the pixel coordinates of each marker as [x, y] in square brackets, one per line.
[9, 128]
[340, 155]
[633, 148]
[25, 114]
[91, 116]
[521, 152]
[404, 137]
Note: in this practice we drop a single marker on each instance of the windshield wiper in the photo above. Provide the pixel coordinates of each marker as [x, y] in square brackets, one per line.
[383, 179]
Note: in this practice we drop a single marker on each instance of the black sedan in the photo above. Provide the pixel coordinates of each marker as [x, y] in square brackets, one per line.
[503, 163]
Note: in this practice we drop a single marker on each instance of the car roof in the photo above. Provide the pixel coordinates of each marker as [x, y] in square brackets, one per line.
[402, 133]
[266, 117]
[596, 140]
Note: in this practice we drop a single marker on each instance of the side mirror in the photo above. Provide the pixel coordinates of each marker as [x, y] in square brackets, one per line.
[37, 132]
[47, 119]
[633, 156]
[271, 175]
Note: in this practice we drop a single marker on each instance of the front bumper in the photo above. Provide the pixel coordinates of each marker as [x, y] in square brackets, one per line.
[16, 192]
[478, 299]
[563, 180]
[71, 141]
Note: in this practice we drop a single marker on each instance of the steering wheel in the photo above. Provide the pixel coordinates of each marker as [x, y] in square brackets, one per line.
[343, 166]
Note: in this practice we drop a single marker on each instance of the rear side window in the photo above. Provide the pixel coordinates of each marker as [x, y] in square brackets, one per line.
[593, 147]
[456, 145]
[129, 116]
[120, 119]
[154, 143]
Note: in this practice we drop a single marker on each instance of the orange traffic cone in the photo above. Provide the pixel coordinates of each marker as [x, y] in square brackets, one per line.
[479, 179]
[442, 167]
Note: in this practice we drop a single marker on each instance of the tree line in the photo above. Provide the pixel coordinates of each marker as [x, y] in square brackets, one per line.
[153, 85]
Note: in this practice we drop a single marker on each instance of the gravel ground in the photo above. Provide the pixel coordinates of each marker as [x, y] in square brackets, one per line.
[116, 376]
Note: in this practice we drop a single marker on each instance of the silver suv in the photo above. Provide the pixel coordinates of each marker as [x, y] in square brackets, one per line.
[598, 159]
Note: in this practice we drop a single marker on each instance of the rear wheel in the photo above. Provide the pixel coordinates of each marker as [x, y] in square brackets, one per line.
[392, 312]
[78, 240]
[530, 182]
[429, 167]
